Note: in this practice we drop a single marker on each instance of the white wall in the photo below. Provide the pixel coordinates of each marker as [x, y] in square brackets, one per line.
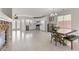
[75, 20]
[42, 26]
[44, 22]
[32, 25]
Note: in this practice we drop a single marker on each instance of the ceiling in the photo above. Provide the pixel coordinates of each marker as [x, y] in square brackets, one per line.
[34, 12]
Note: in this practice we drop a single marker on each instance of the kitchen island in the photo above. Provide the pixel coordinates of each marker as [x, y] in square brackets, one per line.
[3, 32]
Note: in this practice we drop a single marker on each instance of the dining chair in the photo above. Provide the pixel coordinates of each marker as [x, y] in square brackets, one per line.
[57, 37]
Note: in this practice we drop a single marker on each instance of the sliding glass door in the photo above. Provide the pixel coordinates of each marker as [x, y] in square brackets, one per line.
[64, 22]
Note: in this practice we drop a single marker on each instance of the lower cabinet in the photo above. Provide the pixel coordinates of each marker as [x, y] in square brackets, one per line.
[2, 39]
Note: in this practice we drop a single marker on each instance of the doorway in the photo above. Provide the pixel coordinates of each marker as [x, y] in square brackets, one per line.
[38, 27]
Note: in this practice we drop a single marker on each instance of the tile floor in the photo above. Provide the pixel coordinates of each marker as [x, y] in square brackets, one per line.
[35, 41]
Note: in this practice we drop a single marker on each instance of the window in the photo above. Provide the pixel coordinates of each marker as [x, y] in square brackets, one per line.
[64, 22]
[13, 25]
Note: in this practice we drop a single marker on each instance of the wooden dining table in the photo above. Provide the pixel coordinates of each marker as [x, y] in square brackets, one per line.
[68, 37]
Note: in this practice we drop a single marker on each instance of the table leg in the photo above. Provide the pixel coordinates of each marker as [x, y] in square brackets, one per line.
[64, 43]
[51, 38]
[55, 43]
[71, 45]
[5, 37]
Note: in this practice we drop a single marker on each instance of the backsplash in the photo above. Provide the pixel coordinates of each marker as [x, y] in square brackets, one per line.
[4, 25]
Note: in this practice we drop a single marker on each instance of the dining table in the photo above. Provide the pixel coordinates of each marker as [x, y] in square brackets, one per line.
[68, 36]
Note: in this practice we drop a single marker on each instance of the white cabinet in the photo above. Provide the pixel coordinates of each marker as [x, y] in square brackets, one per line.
[2, 38]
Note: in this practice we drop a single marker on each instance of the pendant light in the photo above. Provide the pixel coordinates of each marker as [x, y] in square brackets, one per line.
[54, 12]
[15, 16]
